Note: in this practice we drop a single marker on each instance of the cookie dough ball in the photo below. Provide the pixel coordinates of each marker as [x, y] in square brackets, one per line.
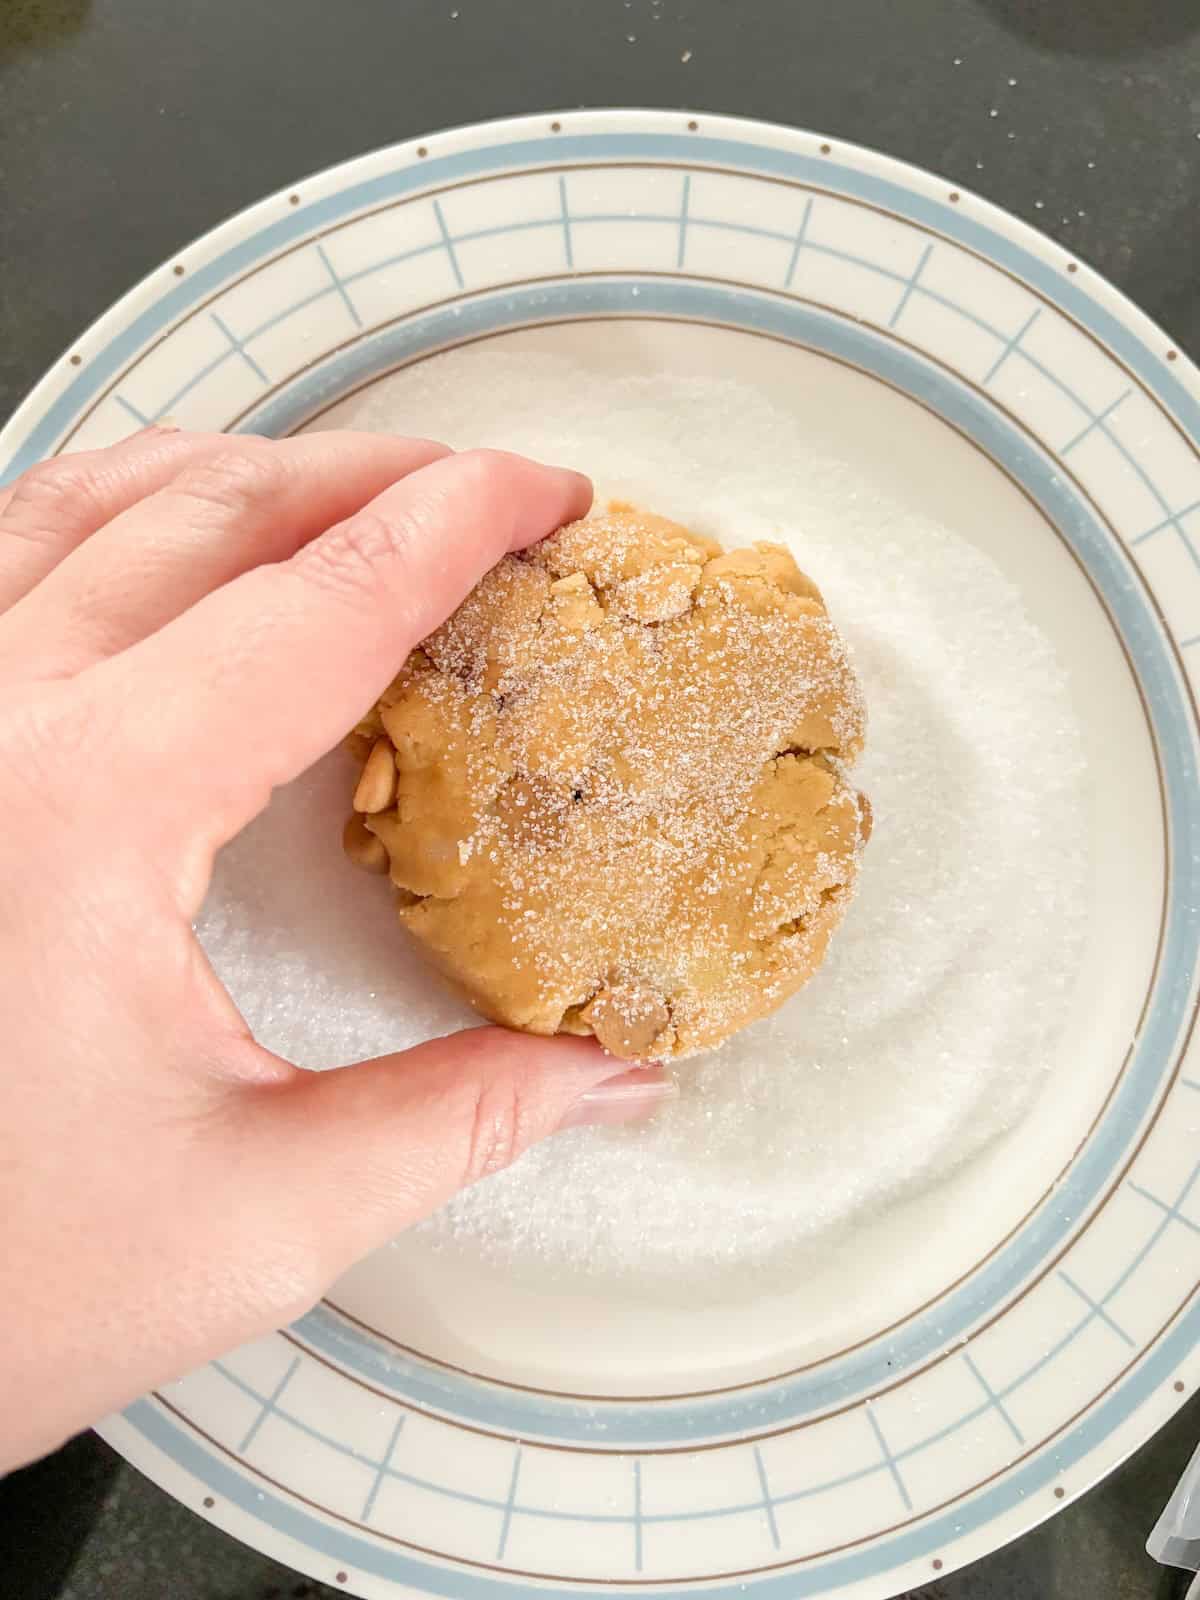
[612, 789]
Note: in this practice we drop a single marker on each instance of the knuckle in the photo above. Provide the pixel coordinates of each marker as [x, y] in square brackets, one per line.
[47, 490]
[45, 736]
[300, 1280]
[55, 478]
[233, 483]
[350, 558]
[486, 473]
[49, 719]
[373, 549]
[494, 1140]
[290, 1273]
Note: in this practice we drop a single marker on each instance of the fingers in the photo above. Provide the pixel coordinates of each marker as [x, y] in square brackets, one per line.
[51, 509]
[237, 504]
[262, 677]
[378, 1146]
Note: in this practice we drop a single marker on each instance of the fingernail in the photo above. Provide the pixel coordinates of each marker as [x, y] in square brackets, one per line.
[629, 1097]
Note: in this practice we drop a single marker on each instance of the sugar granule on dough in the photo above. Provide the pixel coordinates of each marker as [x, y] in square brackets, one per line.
[614, 787]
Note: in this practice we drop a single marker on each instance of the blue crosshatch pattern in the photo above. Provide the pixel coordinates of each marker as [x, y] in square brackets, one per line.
[139, 417]
[682, 221]
[237, 344]
[339, 287]
[1097, 1308]
[270, 1405]
[994, 1400]
[795, 231]
[801, 231]
[640, 1522]
[768, 1503]
[906, 296]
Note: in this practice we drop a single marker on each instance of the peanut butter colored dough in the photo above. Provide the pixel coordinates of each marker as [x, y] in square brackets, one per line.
[612, 788]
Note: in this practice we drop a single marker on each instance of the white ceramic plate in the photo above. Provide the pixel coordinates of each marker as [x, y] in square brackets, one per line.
[417, 1435]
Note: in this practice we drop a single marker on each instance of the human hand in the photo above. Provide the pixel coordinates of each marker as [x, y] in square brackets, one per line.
[187, 621]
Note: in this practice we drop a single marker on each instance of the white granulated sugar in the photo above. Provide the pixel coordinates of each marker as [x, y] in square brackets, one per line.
[926, 1034]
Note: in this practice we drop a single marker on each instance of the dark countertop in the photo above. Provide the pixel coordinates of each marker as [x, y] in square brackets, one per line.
[129, 126]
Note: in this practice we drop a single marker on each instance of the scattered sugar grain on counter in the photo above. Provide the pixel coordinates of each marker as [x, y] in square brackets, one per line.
[905, 1054]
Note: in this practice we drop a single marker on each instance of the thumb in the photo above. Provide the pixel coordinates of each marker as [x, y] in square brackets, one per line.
[382, 1144]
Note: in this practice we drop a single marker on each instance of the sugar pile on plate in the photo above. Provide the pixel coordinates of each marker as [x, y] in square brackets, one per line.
[926, 1034]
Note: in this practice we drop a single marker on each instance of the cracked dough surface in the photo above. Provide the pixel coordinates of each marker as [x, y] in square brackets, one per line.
[612, 789]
